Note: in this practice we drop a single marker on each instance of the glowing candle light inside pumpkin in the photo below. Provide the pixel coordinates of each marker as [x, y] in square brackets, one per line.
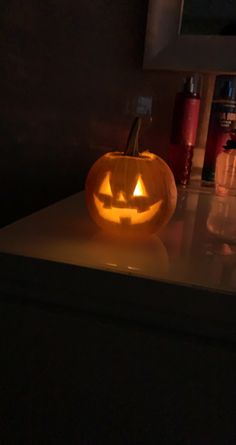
[140, 188]
[121, 197]
[105, 187]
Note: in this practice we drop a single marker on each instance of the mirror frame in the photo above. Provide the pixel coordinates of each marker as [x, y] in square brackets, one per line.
[167, 49]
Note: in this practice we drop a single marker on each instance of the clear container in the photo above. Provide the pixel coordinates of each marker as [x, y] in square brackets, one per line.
[221, 218]
[225, 178]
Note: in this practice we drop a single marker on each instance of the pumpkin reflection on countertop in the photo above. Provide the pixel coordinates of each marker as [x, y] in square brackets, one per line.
[148, 257]
[131, 193]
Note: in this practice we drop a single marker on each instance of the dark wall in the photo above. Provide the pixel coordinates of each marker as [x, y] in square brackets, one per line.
[70, 70]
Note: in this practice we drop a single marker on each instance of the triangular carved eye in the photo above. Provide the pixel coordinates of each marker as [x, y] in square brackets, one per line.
[105, 187]
[140, 189]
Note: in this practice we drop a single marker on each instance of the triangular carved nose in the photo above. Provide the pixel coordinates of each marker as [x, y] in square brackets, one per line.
[121, 197]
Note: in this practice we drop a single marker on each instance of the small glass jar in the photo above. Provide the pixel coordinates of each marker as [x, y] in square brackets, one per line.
[221, 218]
[225, 178]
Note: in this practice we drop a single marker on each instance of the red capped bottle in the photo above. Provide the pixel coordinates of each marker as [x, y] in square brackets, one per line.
[184, 130]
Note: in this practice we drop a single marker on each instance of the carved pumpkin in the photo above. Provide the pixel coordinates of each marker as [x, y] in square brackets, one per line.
[131, 193]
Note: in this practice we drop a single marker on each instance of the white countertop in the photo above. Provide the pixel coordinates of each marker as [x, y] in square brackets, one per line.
[187, 251]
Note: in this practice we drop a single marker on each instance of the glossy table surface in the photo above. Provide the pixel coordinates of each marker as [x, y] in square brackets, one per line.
[197, 247]
[81, 345]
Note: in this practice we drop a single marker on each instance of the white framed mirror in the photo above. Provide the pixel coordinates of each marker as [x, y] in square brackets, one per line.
[191, 35]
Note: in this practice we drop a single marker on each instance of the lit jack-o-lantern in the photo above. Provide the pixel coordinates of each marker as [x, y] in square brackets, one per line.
[131, 193]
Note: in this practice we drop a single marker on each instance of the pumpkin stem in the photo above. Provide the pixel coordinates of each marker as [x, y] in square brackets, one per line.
[132, 143]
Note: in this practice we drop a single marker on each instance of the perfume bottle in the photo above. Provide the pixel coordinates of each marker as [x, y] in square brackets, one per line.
[225, 177]
[223, 113]
[184, 130]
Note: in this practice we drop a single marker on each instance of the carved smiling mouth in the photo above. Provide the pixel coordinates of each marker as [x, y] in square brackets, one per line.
[126, 216]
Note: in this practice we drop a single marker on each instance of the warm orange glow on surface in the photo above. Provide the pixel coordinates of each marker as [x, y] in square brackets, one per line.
[126, 216]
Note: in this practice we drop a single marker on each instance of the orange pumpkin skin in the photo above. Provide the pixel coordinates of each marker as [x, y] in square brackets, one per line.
[130, 195]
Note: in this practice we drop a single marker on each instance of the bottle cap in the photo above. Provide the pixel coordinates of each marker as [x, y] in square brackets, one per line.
[192, 84]
[225, 88]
